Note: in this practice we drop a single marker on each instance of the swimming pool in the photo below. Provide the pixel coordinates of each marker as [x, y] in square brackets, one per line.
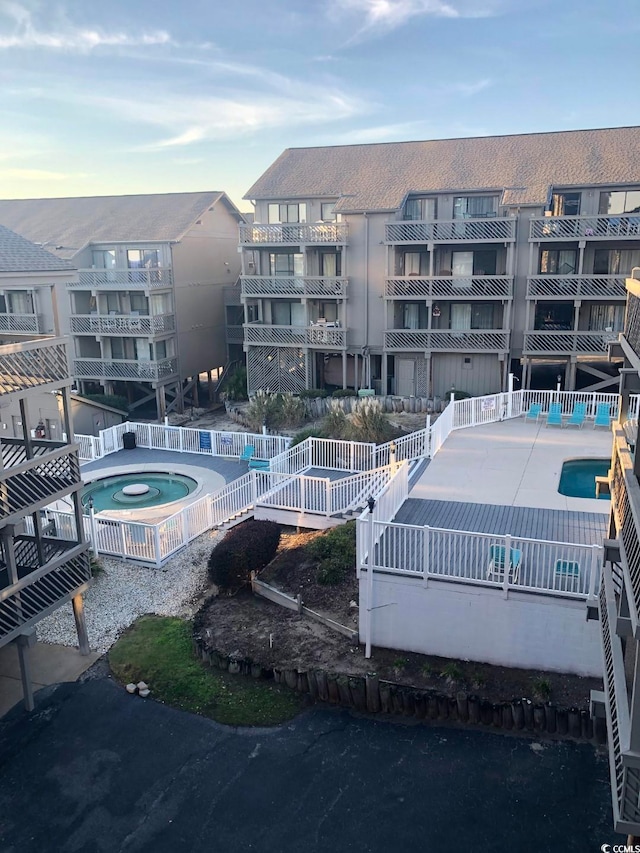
[577, 478]
[137, 490]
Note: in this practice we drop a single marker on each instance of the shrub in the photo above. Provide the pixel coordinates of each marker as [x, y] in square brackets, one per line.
[451, 671]
[335, 552]
[335, 423]
[369, 423]
[307, 432]
[541, 688]
[237, 385]
[460, 395]
[275, 410]
[344, 392]
[313, 392]
[293, 410]
[246, 548]
[332, 571]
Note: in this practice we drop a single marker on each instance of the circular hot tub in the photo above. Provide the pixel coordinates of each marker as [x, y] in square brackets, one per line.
[137, 490]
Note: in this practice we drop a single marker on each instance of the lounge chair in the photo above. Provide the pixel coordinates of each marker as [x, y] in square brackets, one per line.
[603, 415]
[497, 554]
[554, 417]
[535, 410]
[567, 574]
[259, 464]
[578, 415]
[248, 453]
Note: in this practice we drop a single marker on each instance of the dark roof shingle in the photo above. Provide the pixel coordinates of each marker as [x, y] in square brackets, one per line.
[18, 254]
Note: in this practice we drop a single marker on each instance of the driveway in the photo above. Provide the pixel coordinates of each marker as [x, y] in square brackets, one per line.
[94, 769]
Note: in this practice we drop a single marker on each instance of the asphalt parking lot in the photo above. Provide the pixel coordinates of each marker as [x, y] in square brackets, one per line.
[94, 769]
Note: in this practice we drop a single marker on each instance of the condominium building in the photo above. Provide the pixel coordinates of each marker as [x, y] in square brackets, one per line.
[146, 307]
[418, 267]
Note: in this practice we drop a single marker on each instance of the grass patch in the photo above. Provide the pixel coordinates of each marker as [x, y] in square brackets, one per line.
[159, 650]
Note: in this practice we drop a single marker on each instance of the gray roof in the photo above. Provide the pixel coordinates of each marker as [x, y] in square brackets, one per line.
[20, 255]
[67, 225]
[525, 166]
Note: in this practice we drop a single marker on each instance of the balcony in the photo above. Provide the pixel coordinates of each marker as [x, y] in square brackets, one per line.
[123, 279]
[622, 227]
[235, 334]
[576, 287]
[625, 504]
[294, 234]
[323, 286]
[36, 482]
[490, 230]
[139, 371]
[567, 343]
[299, 336]
[447, 340]
[22, 324]
[147, 325]
[632, 321]
[33, 364]
[450, 287]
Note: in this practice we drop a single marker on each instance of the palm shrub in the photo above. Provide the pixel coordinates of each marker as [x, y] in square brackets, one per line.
[246, 548]
[368, 422]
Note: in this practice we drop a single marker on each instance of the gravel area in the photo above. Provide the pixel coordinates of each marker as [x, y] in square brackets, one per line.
[125, 591]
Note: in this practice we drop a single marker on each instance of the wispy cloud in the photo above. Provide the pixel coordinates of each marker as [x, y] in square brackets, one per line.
[65, 36]
[384, 132]
[467, 89]
[38, 175]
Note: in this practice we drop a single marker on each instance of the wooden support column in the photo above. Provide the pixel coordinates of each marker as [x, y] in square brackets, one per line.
[385, 374]
[161, 403]
[196, 392]
[81, 624]
[209, 387]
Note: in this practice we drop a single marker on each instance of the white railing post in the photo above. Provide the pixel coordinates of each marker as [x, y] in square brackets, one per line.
[123, 538]
[510, 396]
[428, 438]
[328, 495]
[369, 628]
[93, 528]
[254, 488]
[156, 545]
[214, 442]
[303, 497]
[506, 564]
[426, 545]
[593, 570]
[310, 452]
[181, 440]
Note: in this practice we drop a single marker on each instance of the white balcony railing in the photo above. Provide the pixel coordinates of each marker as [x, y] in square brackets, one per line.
[450, 287]
[319, 286]
[576, 286]
[92, 324]
[294, 233]
[324, 336]
[123, 279]
[561, 343]
[142, 371]
[21, 324]
[490, 230]
[621, 227]
[447, 340]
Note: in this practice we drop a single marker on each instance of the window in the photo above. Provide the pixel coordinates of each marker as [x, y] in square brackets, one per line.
[285, 263]
[474, 207]
[328, 311]
[328, 213]
[620, 202]
[565, 204]
[462, 264]
[139, 303]
[420, 209]
[411, 315]
[287, 313]
[615, 261]
[18, 302]
[104, 259]
[138, 259]
[415, 263]
[554, 316]
[606, 318]
[331, 264]
[287, 213]
[558, 261]
[467, 316]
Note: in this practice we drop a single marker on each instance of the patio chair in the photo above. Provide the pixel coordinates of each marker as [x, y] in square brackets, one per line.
[497, 558]
[535, 410]
[259, 464]
[248, 453]
[603, 415]
[567, 574]
[554, 417]
[578, 415]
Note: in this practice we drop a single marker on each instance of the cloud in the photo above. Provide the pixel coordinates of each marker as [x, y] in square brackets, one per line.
[467, 89]
[67, 37]
[38, 175]
[384, 132]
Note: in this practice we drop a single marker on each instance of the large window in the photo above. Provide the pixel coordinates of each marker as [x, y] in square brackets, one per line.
[411, 315]
[287, 313]
[328, 213]
[565, 204]
[138, 259]
[287, 213]
[558, 261]
[104, 259]
[620, 202]
[16, 302]
[554, 316]
[415, 264]
[474, 207]
[473, 263]
[471, 316]
[606, 318]
[615, 261]
[285, 263]
[331, 264]
[420, 209]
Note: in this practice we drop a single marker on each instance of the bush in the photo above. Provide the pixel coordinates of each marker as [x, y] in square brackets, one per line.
[292, 410]
[237, 385]
[275, 410]
[460, 395]
[307, 432]
[344, 392]
[113, 400]
[369, 423]
[313, 392]
[332, 571]
[335, 423]
[336, 553]
[246, 548]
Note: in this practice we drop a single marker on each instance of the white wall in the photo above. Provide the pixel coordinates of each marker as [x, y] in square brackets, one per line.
[475, 623]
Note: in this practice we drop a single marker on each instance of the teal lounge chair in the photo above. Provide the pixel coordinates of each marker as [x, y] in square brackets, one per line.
[535, 410]
[248, 453]
[603, 415]
[495, 569]
[578, 415]
[567, 574]
[554, 418]
[259, 464]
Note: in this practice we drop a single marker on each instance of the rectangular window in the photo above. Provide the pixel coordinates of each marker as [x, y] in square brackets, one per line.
[287, 313]
[485, 262]
[19, 302]
[138, 259]
[420, 209]
[283, 213]
[328, 311]
[415, 263]
[328, 213]
[460, 316]
[462, 264]
[565, 204]
[619, 202]
[474, 207]
[411, 315]
[558, 261]
[331, 264]
[554, 317]
[104, 259]
[285, 264]
[606, 318]
[615, 261]
[139, 303]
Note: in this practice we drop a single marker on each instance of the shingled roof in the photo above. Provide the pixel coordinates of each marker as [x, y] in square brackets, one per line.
[67, 225]
[20, 255]
[524, 167]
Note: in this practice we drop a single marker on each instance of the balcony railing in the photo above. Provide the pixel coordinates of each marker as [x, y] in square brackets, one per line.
[123, 279]
[92, 324]
[235, 334]
[37, 481]
[321, 336]
[576, 287]
[318, 286]
[490, 230]
[625, 504]
[32, 364]
[447, 340]
[566, 343]
[141, 371]
[624, 226]
[21, 324]
[632, 320]
[450, 287]
[294, 233]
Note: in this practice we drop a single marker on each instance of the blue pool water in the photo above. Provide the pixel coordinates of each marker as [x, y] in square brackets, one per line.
[577, 479]
[163, 488]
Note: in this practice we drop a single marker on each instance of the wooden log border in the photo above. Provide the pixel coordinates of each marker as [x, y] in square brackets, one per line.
[371, 695]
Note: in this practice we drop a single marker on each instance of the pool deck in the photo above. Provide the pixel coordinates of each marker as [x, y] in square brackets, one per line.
[512, 463]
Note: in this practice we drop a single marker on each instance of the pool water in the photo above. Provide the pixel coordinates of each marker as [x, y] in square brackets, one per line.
[162, 488]
[577, 479]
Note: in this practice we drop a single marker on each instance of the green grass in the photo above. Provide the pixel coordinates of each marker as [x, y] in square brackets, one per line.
[159, 650]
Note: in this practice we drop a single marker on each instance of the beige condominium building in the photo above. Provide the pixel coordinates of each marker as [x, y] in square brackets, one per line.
[145, 308]
[418, 267]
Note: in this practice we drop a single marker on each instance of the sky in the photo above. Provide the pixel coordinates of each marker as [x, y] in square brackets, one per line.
[143, 96]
